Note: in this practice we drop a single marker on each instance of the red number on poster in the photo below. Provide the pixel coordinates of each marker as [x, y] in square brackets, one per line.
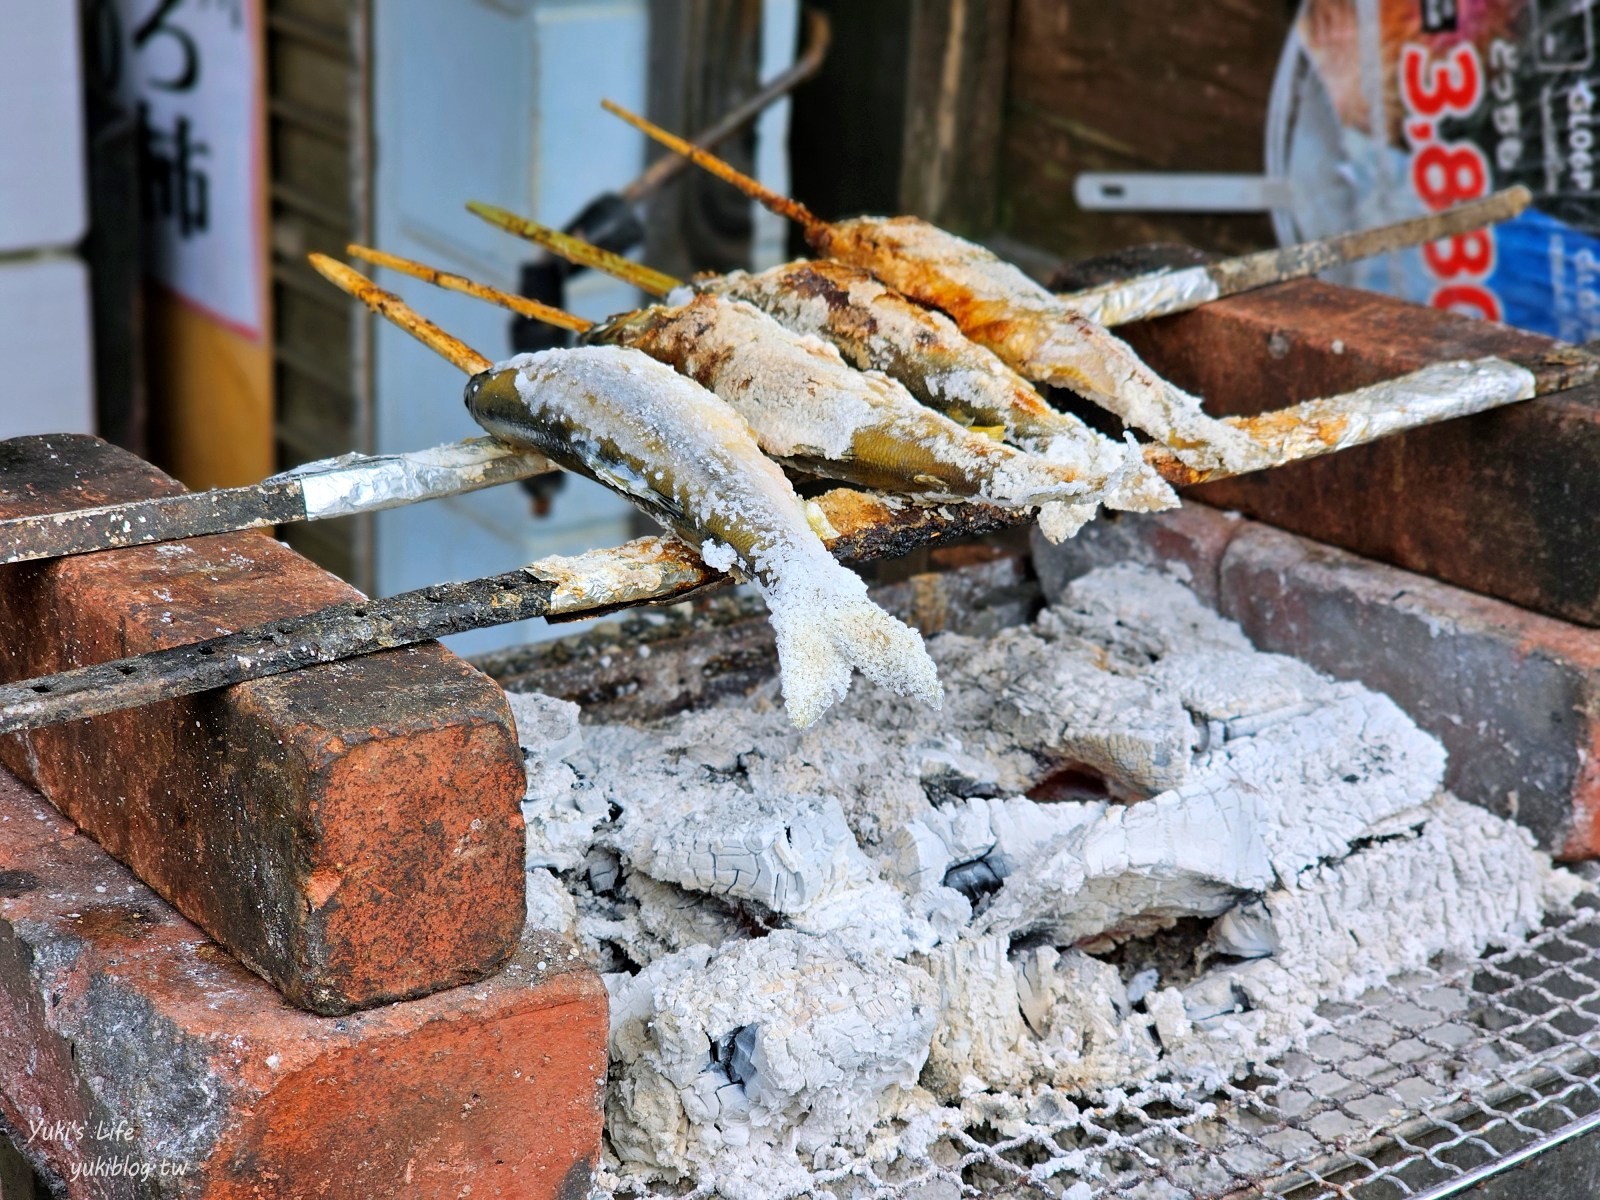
[1452, 85]
[1471, 299]
[1447, 173]
[1465, 254]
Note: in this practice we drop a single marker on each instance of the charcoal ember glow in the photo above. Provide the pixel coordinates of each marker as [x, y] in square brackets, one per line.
[840, 943]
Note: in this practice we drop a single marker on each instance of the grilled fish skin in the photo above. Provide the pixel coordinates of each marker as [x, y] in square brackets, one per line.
[876, 328]
[688, 459]
[1037, 333]
[809, 409]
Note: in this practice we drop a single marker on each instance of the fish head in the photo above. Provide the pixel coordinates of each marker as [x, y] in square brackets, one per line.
[495, 403]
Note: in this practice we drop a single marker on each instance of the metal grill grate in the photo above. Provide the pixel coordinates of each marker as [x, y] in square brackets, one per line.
[1416, 1091]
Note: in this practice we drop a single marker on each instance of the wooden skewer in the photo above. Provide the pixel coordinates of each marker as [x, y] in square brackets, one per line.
[482, 291]
[755, 189]
[392, 308]
[644, 278]
[1165, 292]
[460, 283]
[575, 249]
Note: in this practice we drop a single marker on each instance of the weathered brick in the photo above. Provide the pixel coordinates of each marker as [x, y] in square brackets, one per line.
[128, 1037]
[1500, 503]
[1189, 540]
[350, 831]
[1513, 695]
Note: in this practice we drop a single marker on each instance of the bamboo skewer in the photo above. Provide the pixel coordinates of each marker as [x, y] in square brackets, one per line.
[1438, 392]
[575, 249]
[450, 281]
[1162, 293]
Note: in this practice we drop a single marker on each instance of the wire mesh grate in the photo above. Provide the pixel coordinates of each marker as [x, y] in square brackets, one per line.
[1408, 1093]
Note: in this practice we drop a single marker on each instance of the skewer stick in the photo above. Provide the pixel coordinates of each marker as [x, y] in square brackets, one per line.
[755, 189]
[482, 291]
[450, 281]
[574, 249]
[1162, 293]
[392, 308]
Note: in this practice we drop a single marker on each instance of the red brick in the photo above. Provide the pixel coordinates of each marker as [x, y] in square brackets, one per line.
[1500, 504]
[1513, 695]
[118, 1015]
[350, 831]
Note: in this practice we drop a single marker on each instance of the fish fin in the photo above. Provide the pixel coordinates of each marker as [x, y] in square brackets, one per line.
[819, 643]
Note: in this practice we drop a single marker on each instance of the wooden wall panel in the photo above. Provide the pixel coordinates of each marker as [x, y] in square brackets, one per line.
[1149, 85]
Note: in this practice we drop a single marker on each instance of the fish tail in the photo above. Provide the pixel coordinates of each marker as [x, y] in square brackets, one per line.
[1061, 519]
[1135, 487]
[824, 635]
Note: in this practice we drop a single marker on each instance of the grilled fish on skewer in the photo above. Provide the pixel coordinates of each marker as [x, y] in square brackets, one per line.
[875, 328]
[811, 410]
[688, 459]
[996, 305]
[808, 408]
[1041, 335]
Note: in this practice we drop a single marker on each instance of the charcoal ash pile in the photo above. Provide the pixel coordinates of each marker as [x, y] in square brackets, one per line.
[1130, 847]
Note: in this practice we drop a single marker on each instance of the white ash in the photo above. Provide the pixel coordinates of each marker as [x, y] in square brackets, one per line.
[825, 942]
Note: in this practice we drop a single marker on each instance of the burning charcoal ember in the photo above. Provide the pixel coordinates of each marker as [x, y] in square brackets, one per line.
[550, 904]
[777, 1047]
[782, 853]
[678, 918]
[1000, 952]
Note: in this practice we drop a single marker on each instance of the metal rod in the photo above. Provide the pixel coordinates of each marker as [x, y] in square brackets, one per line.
[330, 487]
[819, 34]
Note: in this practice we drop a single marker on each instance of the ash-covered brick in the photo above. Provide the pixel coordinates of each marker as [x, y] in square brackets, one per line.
[137, 1058]
[1513, 695]
[350, 831]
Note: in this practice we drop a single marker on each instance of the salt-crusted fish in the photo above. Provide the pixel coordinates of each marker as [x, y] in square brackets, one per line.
[876, 328]
[1039, 334]
[688, 459]
[811, 410]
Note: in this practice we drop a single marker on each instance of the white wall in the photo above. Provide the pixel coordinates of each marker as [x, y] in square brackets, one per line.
[46, 380]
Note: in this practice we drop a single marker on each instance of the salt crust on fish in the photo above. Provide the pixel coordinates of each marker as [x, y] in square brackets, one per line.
[648, 432]
[806, 980]
[808, 407]
[876, 328]
[1038, 333]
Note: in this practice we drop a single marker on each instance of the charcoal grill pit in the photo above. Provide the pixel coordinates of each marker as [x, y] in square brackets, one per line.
[1478, 1073]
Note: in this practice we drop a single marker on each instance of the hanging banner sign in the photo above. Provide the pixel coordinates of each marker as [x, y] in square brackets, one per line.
[1388, 108]
[189, 72]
